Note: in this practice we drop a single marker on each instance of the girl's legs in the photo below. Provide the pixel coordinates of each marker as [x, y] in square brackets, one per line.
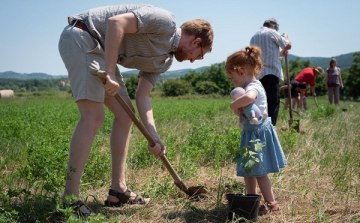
[330, 94]
[286, 103]
[297, 100]
[91, 118]
[119, 141]
[264, 185]
[301, 100]
[250, 185]
[266, 189]
[293, 100]
[336, 95]
[304, 102]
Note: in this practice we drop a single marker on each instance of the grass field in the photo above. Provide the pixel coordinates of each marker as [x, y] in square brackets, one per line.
[320, 183]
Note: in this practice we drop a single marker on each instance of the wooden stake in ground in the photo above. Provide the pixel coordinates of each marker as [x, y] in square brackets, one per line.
[289, 91]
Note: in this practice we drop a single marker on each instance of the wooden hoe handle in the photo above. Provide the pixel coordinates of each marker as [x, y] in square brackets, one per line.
[102, 76]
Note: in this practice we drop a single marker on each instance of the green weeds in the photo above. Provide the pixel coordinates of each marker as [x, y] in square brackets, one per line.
[323, 111]
[199, 134]
[208, 144]
[289, 140]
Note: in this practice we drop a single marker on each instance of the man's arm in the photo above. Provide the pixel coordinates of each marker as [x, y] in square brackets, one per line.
[284, 87]
[285, 50]
[326, 80]
[144, 107]
[341, 82]
[117, 26]
[313, 91]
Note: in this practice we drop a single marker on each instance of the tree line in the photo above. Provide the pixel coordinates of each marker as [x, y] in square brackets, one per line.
[212, 80]
[32, 85]
[350, 77]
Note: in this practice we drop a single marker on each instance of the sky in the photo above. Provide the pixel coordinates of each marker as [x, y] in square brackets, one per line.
[30, 29]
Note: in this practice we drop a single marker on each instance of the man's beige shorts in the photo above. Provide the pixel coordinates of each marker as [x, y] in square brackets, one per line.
[82, 54]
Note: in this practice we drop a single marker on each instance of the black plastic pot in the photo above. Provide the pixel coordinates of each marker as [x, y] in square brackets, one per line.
[243, 206]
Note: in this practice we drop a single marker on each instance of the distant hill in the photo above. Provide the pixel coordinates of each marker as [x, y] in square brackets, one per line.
[168, 74]
[344, 61]
[21, 76]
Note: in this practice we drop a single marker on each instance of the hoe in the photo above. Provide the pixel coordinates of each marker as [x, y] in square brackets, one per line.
[195, 193]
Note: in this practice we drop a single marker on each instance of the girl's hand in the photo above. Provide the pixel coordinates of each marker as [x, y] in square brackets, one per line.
[112, 87]
[242, 114]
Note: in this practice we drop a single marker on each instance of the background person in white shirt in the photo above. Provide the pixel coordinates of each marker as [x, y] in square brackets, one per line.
[270, 41]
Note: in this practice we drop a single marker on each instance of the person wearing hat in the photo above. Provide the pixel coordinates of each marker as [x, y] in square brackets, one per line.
[269, 40]
[308, 75]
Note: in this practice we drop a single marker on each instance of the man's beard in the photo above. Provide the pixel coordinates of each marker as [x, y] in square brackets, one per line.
[180, 54]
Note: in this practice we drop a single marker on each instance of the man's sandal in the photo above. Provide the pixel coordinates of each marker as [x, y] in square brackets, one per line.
[268, 207]
[123, 198]
[79, 207]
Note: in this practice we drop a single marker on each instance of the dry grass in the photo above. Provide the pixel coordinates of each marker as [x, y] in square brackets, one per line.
[307, 189]
[302, 198]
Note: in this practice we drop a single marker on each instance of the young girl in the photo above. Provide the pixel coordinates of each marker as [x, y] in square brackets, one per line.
[243, 68]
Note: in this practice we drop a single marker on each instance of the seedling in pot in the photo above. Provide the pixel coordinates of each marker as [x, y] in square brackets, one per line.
[245, 207]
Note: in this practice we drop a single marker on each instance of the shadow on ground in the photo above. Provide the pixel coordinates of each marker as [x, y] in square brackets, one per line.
[193, 214]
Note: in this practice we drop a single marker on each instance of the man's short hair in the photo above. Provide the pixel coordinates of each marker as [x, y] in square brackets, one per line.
[270, 22]
[200, 28]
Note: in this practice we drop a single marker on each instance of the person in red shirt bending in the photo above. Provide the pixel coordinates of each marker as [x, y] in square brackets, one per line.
[308, 75]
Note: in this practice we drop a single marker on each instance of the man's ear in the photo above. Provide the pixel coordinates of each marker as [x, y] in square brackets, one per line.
[196, 41]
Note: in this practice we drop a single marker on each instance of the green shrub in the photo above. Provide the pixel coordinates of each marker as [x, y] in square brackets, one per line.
[131, 84]
[322, 111]
[176, 87]
[206, 87]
